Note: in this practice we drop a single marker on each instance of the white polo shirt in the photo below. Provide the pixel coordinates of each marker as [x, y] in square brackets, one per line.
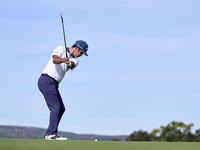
[57, 71]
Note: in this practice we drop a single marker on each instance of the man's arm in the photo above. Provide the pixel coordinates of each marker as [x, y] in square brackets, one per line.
[58, 60]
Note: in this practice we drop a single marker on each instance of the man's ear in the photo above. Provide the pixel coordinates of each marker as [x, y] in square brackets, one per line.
[77, 48]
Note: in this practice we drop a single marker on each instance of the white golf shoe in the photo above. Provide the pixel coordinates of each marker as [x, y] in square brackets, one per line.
[54, 137]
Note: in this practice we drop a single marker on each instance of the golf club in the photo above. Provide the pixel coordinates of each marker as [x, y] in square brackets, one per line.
[61, 15]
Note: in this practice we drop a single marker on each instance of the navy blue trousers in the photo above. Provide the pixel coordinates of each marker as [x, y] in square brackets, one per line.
[49, 88]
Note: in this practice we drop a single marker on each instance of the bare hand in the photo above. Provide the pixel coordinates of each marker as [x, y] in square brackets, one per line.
[65, 60]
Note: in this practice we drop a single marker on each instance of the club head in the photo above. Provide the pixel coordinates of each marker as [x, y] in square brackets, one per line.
[61, 15]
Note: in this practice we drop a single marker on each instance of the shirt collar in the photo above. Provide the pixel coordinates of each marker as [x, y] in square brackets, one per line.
[70, 56]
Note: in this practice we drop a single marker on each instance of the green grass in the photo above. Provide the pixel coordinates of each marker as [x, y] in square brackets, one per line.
[30, 144]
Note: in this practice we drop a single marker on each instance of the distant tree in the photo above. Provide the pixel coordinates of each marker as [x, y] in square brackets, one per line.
[139, 136]
[115, 139]
[188, 128]
[197, 132]
[173, 132]
[197, 135]
[154, 136]
[176, 131]
[189, 137]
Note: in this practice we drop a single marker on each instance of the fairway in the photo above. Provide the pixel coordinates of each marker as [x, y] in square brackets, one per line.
[32, 144]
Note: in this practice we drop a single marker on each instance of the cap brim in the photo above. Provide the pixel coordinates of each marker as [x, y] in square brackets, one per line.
[84, 53]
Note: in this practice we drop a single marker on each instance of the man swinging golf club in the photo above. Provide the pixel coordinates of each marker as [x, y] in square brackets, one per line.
[49, 81]
[62, 60]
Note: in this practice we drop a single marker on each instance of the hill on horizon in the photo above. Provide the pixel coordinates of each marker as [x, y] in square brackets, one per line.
[20, 132]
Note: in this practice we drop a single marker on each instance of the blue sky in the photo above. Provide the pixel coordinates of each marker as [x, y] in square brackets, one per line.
[142, 71]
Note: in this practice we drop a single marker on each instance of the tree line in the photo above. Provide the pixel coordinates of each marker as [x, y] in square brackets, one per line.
[173, 132]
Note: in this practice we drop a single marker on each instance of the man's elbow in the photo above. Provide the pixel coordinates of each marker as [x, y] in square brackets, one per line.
[55, 59]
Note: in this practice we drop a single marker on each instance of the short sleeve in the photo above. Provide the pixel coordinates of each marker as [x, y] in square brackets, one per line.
[57, 51]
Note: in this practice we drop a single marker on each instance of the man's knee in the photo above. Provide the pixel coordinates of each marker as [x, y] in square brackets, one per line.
[58, 108]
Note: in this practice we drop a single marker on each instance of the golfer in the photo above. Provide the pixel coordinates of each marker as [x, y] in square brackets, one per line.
[52, 75]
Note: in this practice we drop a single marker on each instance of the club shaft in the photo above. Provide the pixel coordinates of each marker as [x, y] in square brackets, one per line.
[64, 35]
